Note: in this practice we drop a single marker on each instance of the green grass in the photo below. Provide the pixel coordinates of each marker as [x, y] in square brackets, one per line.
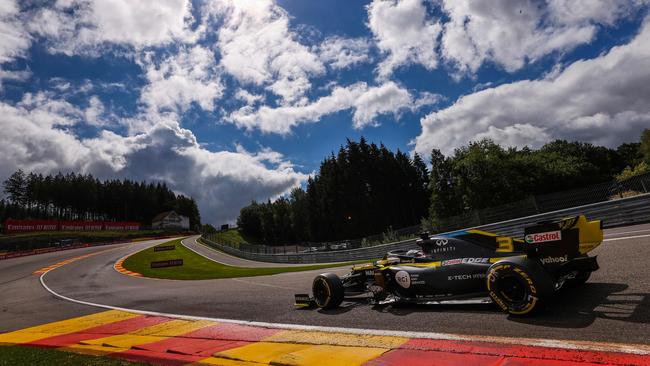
[21, 355]
[233, 237]
[196, 267]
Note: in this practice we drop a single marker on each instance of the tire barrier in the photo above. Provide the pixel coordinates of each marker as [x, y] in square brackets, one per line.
[620, 212]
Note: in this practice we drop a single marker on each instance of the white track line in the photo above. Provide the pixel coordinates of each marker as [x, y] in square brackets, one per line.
[203, 255]
[639, 349]
[628, 237]
[628, 232]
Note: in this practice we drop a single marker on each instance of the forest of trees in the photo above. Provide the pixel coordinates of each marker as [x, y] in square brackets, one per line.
[363, 189]
[83, 197]
[366, 189]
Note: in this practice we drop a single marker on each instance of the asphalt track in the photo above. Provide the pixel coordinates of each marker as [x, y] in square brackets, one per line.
[614, 306]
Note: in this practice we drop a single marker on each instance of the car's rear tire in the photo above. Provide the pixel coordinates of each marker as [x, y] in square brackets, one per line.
[328, 291]
[519, 286]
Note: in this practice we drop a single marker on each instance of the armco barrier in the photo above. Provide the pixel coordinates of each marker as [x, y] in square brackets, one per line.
[620, 212]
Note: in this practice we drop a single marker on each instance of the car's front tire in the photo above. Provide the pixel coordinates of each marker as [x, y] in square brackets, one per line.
[328, 291]
[519, 286]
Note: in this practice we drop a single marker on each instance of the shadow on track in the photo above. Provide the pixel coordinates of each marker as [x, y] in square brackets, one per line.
[580, 307]
[570, 308]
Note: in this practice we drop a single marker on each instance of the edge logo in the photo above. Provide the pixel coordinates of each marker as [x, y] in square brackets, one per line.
[450, 262]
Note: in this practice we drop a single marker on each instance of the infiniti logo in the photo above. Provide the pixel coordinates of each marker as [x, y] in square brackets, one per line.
[441, 242]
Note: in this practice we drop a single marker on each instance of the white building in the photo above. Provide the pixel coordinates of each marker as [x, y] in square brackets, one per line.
[170, 220]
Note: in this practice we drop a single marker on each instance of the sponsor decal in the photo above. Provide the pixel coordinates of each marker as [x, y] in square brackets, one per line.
[13, 226]
[471, 276]
[161, 248]
[543, 237]
[555, 260]
[302, 298]
[403, 279]
[464, 261]
[169, 263]
[443, 249]
[442, 242]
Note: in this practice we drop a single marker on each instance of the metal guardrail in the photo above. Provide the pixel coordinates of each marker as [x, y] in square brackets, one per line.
[620, 212]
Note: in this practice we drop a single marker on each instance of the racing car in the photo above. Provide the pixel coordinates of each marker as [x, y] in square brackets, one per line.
[519, 276]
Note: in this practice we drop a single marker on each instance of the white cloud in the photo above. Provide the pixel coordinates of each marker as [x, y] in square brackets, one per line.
[341, 53]
[14, 40]
[603, 100]
[190, 76]
[515, 32]
[403, 32]
[94, 112]
[36, 138]
[386, 98]
[257, 47]
[367, 102]
[247, 97]
[592, 11]
[83, 26]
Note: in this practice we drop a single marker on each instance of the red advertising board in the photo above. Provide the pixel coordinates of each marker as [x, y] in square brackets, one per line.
[72, 225]
[21, 226]
[17, 226]
[122, 226]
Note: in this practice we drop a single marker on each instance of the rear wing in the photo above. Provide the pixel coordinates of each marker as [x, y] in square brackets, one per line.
[573, 236]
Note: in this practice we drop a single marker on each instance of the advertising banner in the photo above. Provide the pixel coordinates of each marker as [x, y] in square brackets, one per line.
[18, 226]
[23, 226]
[126, 226]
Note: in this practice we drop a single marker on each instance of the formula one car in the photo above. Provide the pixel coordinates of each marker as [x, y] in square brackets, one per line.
[520, 276]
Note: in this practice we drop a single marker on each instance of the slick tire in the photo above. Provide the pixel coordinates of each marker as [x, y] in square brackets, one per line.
[519, 286]
[328, 291]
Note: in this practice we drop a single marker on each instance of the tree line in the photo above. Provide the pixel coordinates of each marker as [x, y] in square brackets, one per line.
[366, 189]
[83, 197]
[363, 188]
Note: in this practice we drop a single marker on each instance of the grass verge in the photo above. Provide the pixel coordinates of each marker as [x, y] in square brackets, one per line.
[232, 237]
[22, 355]
[196, 267]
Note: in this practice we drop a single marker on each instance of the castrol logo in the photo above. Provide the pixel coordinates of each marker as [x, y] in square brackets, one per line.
[543, 237]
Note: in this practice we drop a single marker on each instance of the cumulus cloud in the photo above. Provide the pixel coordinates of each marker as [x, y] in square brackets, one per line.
[82, 26]
[37, 137]
[367, 102]
[257, 47]
[403, 32]
[247, 97]
[14, 40]
[189, 76]
[603, 100]
[511, 33]
[341, 53]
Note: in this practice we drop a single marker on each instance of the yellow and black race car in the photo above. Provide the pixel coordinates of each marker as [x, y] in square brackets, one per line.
[472, 266]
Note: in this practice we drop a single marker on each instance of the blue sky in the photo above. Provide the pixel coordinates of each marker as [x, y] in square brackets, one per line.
[230, 101]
